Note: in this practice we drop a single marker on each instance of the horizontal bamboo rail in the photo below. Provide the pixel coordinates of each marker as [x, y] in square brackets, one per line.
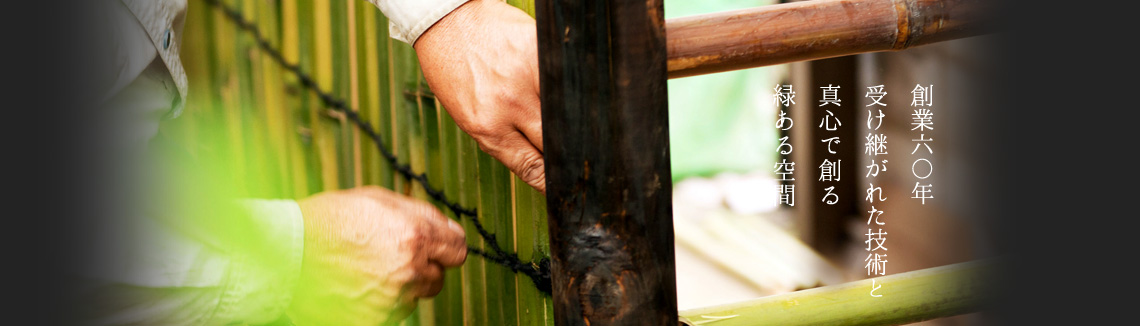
[906, 298]
[810, 30]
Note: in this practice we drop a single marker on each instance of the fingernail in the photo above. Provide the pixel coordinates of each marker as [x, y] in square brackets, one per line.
[454, 226]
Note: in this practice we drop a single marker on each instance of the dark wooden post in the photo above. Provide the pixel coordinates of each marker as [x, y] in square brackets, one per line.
[609, 193]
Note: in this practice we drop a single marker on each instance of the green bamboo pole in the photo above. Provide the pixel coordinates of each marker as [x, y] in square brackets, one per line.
[532, 244]
[415, 135]
[341, 67]
[324, 132]
[251, 125]
[431, 144]
[449, 304]
[296, 103]
[474, 285]
[531, 241]
[542, 248]
[495, 214]
[429, 125]
[405, 72]
[272, 120]
[198, 44]
[355, 93]
[421, 124]
[309, 110]
[231, 101]
[253, 129]
[273, 92]
[905, 298]
[372, 52]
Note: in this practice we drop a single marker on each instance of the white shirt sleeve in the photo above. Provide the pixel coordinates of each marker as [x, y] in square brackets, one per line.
[260, 284]
[170, 277]
[408, 19]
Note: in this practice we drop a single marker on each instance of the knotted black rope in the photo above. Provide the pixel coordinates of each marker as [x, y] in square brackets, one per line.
[538, 271]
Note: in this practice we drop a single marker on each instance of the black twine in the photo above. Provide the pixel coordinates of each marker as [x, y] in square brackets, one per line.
[538, 271]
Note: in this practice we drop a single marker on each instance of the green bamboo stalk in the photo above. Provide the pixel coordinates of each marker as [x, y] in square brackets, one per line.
[449, 303]
[293, 104]
[405, 73]
[273, 136]
[252, 113]
[542, 246]
[229, 63]
[308, 112]
[421, 124]
[408, 142]
[386, 89]
[429, 125]
[341, 87]
[281, 121]
[905, 298]
[532, 306]
[525, 5]
[431, 135]
[356, 98]
[416, 135]
[286, 132]
[325, 134]
[372, 52]
[198, 44]
[251, 125]
[495, 214]
[531, 244]
[474, 285]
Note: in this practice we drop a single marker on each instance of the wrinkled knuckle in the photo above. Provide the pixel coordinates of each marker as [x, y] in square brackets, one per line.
[532, 166]
[487, 145]
[481, 127]
[478, 130]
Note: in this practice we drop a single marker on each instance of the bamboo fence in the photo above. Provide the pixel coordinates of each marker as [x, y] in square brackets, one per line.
[284, 138]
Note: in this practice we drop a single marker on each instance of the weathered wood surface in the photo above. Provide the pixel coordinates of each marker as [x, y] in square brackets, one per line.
[810, 30]
[605, 126]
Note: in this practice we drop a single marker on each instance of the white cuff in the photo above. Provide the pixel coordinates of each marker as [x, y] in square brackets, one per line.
[260, 284]
[408, 19]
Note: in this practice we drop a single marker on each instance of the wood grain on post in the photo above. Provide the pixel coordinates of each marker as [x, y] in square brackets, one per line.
[810, 30]
[606, 139]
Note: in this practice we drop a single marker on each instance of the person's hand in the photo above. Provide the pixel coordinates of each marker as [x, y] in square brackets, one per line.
[369, 255]
[481, 61]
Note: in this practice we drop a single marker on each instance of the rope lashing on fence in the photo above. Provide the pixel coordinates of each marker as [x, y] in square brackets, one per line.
[538, 271]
